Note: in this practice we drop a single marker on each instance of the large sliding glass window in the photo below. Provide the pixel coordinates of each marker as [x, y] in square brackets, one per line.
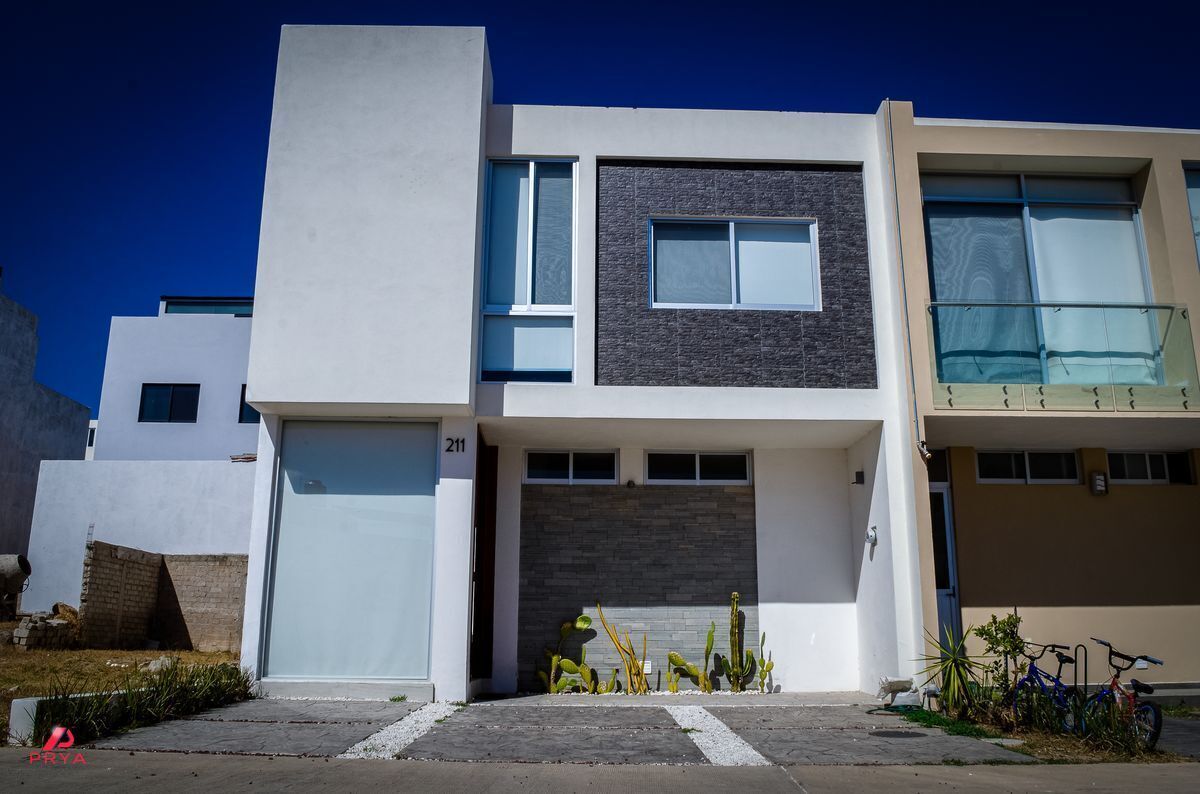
[1038, 280]
[352, 562]
[528, 316]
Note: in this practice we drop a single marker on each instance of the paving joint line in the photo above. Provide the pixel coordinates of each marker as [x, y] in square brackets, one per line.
[720, 745]
[387, 742]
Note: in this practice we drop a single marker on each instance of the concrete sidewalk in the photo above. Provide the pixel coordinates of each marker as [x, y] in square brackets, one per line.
[121, 771]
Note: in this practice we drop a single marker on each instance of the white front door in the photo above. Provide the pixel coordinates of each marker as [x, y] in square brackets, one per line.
[945, 565]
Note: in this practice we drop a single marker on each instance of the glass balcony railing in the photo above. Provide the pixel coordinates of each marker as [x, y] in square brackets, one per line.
[1062, 356]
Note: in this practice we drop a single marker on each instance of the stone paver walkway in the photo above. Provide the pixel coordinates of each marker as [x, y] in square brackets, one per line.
[722, 731]
[268, 727]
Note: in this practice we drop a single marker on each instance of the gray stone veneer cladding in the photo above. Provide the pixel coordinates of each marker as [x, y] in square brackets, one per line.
[640, 346]
[660, 559]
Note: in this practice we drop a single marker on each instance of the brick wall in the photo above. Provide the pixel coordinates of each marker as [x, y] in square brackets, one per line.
[185, 601]
[120, 591]
[660, 559]
[640, 346]
[200, 601]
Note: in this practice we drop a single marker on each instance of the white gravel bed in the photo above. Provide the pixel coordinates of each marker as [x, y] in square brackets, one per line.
[395, 737]
[720, 745]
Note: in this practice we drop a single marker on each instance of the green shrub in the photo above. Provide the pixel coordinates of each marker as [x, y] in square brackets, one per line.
[144, 698]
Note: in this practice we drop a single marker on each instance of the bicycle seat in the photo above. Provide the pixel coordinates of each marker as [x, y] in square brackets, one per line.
[1140, 688]
[1064, 658]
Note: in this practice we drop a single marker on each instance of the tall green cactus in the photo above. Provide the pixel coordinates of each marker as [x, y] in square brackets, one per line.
[765, 665]
[739, 664]
[551, 680]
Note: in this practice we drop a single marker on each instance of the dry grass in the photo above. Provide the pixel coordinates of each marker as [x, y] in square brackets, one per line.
[30, 673]
[1063, 749]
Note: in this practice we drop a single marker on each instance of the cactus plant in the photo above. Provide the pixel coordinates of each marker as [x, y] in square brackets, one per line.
[635, 668]
[739, 664]
[765, 664]
[698, 675]
[551, 679]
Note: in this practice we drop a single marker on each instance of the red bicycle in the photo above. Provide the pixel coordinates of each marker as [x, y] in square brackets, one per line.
[1120, 702]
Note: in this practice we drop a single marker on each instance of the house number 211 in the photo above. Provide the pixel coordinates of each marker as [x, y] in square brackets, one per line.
[456, 444]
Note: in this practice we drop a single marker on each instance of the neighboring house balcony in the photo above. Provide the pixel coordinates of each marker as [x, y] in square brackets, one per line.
[1095, 357]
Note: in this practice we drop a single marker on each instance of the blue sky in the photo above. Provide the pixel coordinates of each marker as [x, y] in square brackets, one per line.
[133, 137]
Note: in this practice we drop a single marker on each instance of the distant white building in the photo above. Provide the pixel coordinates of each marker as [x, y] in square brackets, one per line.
[158, 473]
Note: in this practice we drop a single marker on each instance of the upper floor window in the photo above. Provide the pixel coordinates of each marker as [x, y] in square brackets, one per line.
[528, 292]
[734, 264]
[247, 414]
[1192, 175]
[1061, 468]
[574, 467]
[169, 402]
[1150, 467]
[697, 468]
[1038, 279]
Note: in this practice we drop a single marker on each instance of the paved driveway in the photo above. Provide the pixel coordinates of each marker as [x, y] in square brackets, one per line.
[684, 730]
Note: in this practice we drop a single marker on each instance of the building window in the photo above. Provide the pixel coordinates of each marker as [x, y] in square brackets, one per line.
[571, 467]
[169, 402]
[1193, 193]
[734, 264]
[1053, 468]
[1174, 468]
[238, 307]
[247, 415]
[1024, 272]
[697, 468]
[91, 437]
[529, 262]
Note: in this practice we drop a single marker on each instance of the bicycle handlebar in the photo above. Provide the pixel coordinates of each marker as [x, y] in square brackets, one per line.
[1113, 652]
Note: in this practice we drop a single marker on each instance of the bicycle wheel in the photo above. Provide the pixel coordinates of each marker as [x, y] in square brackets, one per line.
[1026, 699]
[1147, 723]
[1096, 713]
[1072, 710]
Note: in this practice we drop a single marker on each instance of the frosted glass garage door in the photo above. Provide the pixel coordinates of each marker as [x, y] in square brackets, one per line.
[353, 554]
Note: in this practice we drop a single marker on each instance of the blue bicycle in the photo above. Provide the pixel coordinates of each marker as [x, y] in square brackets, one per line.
[1037, 691]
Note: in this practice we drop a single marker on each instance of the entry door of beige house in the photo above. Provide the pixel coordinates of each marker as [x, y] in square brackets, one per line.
[945, 562]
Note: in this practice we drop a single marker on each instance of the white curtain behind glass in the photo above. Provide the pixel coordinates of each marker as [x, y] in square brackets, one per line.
[353, 559]
[1091, 254]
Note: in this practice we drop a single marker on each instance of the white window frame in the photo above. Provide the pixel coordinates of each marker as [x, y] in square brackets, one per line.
[1028, 479]
[734, 283]
[696, 453]
[1146, 454]
[571, 480]
[529, 308]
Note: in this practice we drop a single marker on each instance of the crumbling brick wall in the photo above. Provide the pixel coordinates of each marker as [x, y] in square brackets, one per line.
[119, 596]
[184, 601]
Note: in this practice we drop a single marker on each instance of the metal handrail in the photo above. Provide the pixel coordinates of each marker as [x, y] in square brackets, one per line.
[1061, 304]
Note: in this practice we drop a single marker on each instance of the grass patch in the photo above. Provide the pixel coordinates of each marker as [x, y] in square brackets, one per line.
[1181, 711]
[398, 698]
[692, 730]
[36, 673]
[142, 698]
[1058, 748]
[932, 719]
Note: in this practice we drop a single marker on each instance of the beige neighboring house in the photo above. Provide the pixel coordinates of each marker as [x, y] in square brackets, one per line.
[1049, 274]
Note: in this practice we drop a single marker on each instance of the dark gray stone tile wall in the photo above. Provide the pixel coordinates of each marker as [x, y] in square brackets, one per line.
[640, 346]
[660, 559]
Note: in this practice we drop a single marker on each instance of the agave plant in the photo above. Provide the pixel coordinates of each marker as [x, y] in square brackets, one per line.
[953, 669]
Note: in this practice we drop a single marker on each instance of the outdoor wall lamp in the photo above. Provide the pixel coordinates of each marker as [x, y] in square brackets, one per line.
[860, 478]
[872, 535]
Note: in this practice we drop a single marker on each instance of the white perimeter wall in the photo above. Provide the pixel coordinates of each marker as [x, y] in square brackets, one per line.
[209, 349]
[168, 507]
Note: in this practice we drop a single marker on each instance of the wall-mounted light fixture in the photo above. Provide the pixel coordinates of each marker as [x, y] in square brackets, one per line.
[630, 484]
[872, 535]
[860, 478]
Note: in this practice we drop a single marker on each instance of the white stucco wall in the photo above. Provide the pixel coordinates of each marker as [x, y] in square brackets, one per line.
[209, 349]
[168, 507]
[805, 579]
[369, 244]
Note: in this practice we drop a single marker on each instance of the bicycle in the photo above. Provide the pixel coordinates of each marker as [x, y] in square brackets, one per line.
[1037, 685]
[1120, 701]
